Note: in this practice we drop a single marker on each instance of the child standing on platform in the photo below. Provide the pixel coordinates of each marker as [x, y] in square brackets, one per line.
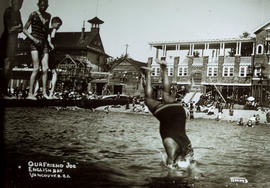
[55, 25]
[39, 21]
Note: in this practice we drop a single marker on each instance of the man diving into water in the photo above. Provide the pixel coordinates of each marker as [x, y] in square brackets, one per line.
[171, 115]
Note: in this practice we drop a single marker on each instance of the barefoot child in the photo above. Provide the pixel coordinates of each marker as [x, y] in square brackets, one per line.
[39, 21]
[55, 25]
[9, 40]
[172, 118]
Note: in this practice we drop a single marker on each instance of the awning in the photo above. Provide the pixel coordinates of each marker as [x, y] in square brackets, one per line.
[99, 81]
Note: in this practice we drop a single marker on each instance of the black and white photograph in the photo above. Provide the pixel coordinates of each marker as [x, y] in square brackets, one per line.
[135, 93]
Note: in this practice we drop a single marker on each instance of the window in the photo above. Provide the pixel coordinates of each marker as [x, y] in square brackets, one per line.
[228, 71]
[257, 72]
[182, 71]
[185, 71]
[209, 71]
[153, 71]
[157, 71]
[170, 71]
[212, 71]
[225, 71]
[231, 69]
[259, 49]
[243, 71]
[215, 72]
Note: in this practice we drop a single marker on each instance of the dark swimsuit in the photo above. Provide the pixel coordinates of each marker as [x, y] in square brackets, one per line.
[172, 119]
[52, 60]
[40, 32]
[8, 48]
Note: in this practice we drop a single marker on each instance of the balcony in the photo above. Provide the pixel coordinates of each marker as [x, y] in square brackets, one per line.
[229, 60]
[183, 61]
[197, 62]
[213, 60]
[245, 61]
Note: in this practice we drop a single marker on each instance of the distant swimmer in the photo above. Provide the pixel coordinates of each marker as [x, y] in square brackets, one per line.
[249, 123]
[172, 118]
[268, 117]
[106, 109]
[241, 122]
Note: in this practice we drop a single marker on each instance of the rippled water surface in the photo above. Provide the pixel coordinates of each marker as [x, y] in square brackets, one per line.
[121, 149]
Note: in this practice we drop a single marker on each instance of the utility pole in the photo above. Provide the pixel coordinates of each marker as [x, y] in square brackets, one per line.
[97, 9]
[126, 48]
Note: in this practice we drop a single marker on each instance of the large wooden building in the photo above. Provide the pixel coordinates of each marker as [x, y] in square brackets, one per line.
[84, 46]
[125, 77]
[237, 67]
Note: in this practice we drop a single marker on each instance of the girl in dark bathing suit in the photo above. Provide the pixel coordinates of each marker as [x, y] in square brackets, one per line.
[172, 117]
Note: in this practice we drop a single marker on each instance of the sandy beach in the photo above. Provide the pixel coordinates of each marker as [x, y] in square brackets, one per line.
[239, 112]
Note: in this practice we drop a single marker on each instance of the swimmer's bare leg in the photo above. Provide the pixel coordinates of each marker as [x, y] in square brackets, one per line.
[148, 90]
[172, 150]
[146, 76]
[7, 73]
[165, 82]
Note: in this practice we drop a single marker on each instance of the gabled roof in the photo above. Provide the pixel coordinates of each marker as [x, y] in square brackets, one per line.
[136, 64]
[97, 50]
[261, 27]
[76, 62]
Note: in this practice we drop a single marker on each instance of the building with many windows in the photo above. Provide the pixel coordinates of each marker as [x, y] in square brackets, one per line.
[237, 67]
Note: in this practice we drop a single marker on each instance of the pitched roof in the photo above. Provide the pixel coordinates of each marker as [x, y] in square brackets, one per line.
[74, 40]
[261, 27]
[96, 20]
[97, 50]
[136, 64]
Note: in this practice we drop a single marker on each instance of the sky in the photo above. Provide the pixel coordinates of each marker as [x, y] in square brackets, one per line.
[138, 22]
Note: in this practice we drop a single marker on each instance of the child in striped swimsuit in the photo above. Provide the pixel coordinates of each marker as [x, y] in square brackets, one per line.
[39, 22]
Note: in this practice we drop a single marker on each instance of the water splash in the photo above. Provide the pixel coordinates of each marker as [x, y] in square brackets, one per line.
[163, 157]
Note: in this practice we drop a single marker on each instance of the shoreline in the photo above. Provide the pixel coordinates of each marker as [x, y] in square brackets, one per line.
[238, 113]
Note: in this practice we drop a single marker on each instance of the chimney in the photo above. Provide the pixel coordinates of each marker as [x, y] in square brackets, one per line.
[83, 31]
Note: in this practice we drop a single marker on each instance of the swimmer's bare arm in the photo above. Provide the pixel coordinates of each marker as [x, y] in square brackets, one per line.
[26, 32]
[50, 37]
[15, 29]
[50, 42]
